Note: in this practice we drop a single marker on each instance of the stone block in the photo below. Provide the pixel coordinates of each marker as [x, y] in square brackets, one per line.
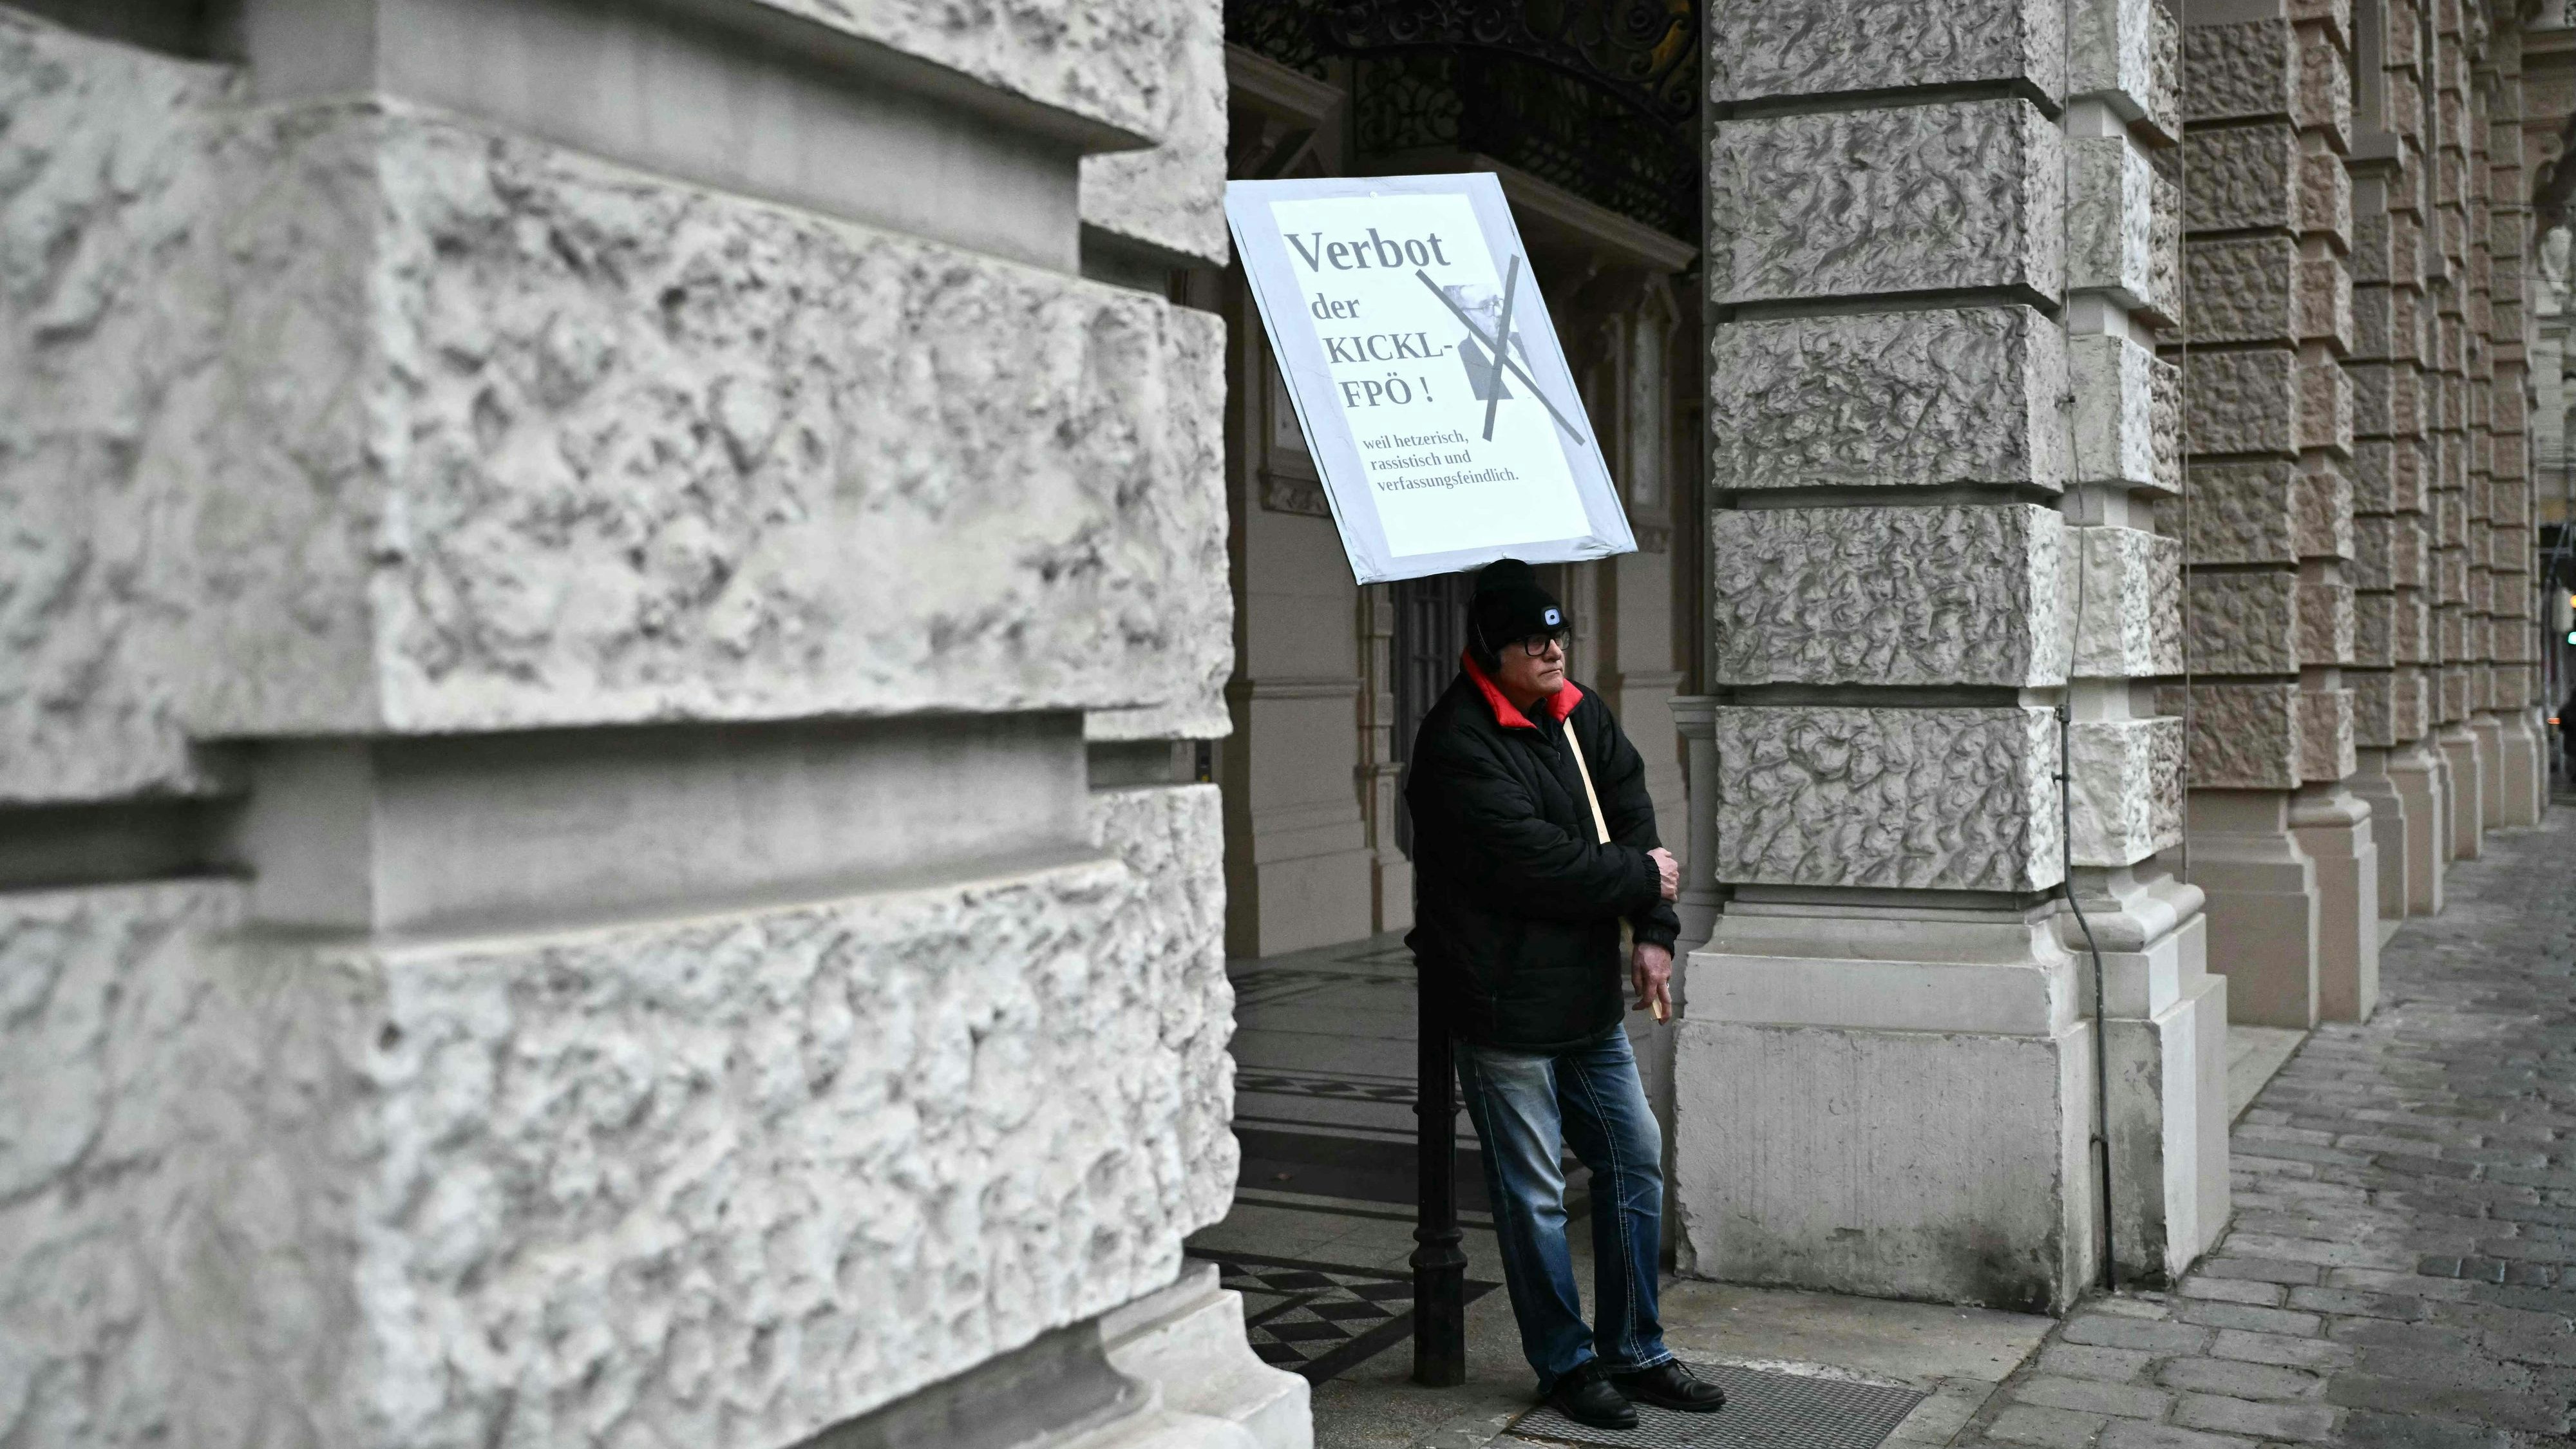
[2325, 622]
[2510, 414]
[1823, 47]
[2123, 227]
[1953, 1146]
[2374, 460]
[2128, 793]
[107, 192]
[2322, 496]
[2370, 259]
[2386, 399]
[2243, 402]
[2513, 641]
[2404, 106]
[2324, 416]
[2325, 735]
[2451, 518]
[2243, 178]
[2128, 426]
[2244, 623]
[2260, 289]
[2244, 71]
[1967, 194]
[2510, 548]
[2244, 512]
[2410, 704]
[2451, 632]
[2129, 54]
[2374, 323]
[1905, 596]
[2374, 542]
[1171, 197]
[2264, 401]
[2127, 606]
[742, 1175]
[2241, 289]
[2409, 474]
[2449, 580]
[2374, 711]
[2321, 302]
[1108, 62]
[1949, 799]
[2450, 684]
[2410, 627]
[1891, 399]
[2325, 198]
[459, 330]
[2406, 325]
[2244, 736]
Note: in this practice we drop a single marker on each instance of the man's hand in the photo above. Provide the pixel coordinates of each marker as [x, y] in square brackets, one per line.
[1671, 870]
[1651, 967]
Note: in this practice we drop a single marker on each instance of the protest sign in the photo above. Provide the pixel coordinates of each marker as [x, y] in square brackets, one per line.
[1425, 373]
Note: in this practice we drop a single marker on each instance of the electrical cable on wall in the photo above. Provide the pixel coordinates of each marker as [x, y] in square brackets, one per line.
[2066, 884]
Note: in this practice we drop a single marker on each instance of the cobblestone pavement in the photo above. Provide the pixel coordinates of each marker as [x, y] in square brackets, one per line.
[2402, 1266]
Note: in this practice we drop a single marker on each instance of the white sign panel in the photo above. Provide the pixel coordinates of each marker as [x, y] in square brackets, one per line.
[1386, 299]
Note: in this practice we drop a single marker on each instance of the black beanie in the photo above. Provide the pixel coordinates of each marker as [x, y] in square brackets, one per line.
[1510, 605]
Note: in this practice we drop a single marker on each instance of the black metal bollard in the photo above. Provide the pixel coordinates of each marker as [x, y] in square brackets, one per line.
[1439, 1265]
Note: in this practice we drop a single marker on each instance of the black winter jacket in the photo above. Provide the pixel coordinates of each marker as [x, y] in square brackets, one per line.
[1516, 910]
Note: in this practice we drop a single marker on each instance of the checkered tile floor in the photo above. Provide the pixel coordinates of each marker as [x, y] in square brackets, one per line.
[1346, 1086]
[1317, 1319]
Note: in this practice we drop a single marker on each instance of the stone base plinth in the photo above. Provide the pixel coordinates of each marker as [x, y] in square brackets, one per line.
[2415, 771]
[2389, 831]
[2525, 767]
[2459, 745]
[2263, 904]
[1187, 1344]
[1886, 1099]
[2334, 827]
[2491, 787]
[2446, 838]
[2168, 1066]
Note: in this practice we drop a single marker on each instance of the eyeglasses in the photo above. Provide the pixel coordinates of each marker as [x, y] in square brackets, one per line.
[1537, 645]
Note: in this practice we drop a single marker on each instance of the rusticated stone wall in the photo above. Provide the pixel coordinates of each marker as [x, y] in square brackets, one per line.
[387, 471]
[2512, 634]
[732, 1176]
[2462, 352]
[2392, 452]
[2270, 407]
[1938, 251]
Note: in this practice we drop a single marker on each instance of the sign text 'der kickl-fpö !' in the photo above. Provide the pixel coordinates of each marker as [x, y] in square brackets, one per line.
[1425, 373]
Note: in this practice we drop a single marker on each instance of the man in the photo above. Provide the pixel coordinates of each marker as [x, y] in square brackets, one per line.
[1517, 909]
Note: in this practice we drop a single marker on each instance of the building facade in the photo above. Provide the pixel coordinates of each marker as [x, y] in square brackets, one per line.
[653, 656]
[587, 591]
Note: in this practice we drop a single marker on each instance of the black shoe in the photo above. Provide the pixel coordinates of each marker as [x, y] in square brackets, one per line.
[1670, 1386]
[1586, 1397]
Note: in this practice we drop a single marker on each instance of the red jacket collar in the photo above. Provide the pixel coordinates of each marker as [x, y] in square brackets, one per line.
[1508, 715]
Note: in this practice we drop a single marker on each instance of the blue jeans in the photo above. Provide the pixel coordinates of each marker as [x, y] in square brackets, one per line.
[1526, 1107]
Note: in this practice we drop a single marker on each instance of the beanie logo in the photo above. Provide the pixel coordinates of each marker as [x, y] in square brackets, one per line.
[1553, 618]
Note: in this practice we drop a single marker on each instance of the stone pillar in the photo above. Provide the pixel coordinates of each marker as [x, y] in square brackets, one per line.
[592, 595]
[2488, 375]
[2386, 363]
[2449, 392]
[1695, 717]
[2271, 424]
[1884, 1079]
[2166, 1028]
[2511, 635]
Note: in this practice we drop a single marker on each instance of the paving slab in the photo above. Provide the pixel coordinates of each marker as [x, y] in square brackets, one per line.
[2401, 1270]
